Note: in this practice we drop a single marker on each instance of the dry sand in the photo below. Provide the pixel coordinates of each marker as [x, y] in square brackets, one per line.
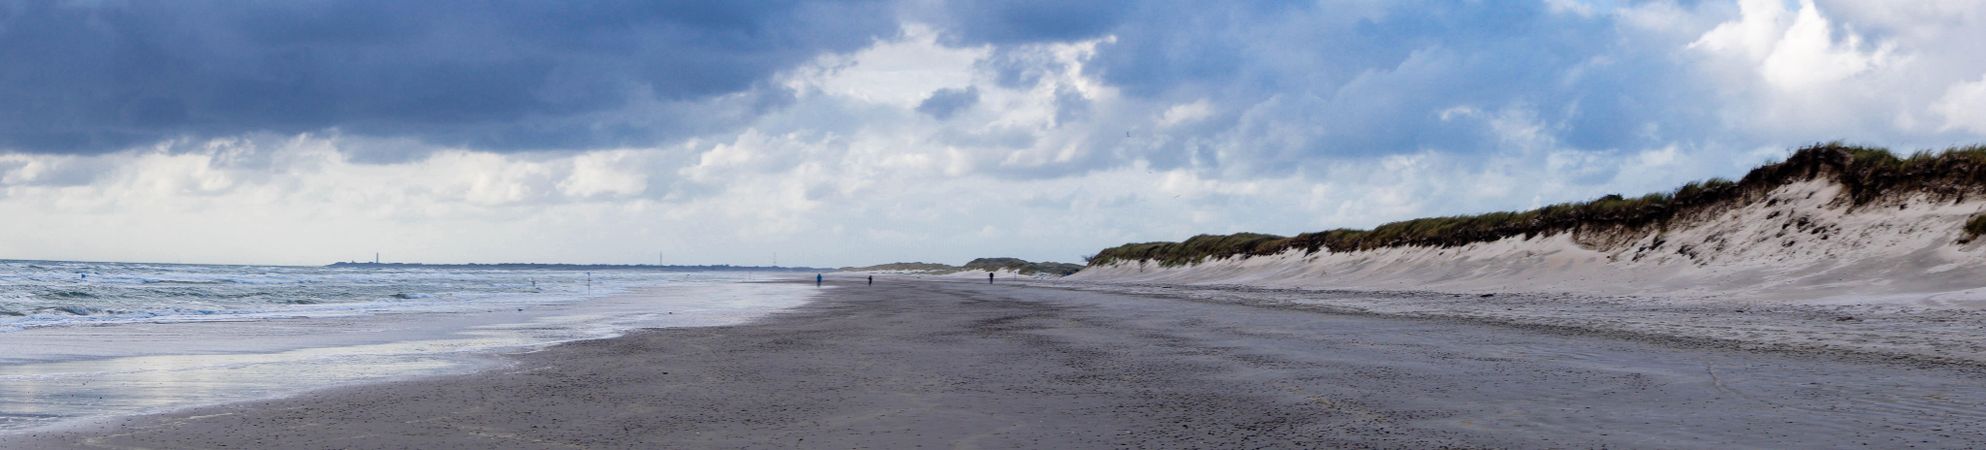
[1913, 331]
[1801, 269]
[908, 364]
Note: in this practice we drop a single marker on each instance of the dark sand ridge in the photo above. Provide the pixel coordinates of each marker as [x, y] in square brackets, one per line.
[964, 365]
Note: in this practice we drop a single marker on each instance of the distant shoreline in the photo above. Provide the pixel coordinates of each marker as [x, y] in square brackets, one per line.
[535, 266]
[498, 266]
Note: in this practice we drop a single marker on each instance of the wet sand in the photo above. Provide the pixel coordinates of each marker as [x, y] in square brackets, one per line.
[966, 365]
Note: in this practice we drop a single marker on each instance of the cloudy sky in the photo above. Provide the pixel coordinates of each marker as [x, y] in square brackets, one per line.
[861, 132]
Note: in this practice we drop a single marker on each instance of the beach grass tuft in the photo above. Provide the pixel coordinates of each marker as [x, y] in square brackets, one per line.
[1974, 227]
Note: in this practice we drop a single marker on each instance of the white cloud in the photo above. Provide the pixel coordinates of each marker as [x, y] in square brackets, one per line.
[1794, 50]
[1185, 113]
[1964, 106]
[752, 151]
[616, 173]
[1809, 54]
[898, 72]
[1574, 7]
[1842, 70]
[1760, 26]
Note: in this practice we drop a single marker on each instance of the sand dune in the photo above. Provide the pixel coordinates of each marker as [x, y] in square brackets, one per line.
[1803, 242]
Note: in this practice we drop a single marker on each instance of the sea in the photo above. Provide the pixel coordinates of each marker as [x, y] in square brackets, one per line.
[90, 340]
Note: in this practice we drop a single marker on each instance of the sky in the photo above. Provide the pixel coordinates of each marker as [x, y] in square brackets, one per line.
[871, 131]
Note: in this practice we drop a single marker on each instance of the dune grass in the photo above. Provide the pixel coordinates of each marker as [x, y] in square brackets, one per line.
[905, 266]
[1974, 227]
[1867, 173]
[1022, 266]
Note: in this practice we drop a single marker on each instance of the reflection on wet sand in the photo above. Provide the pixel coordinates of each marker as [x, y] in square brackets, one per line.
[181, 365]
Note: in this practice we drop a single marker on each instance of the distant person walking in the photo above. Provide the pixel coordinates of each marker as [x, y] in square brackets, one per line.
[872, 280]
[818, 280]
[989, 277]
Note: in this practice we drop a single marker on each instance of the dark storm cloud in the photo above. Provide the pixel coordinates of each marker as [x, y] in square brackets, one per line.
[944, 103]
[89, 77]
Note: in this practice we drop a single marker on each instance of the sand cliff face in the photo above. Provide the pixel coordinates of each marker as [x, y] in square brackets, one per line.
[1804, 241]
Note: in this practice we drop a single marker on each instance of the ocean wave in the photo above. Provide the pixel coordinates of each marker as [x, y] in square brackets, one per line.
[43, 293]
[79, 310]
[68, 295]
[151, 281]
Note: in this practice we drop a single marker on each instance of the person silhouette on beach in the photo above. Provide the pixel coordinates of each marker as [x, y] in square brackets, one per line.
[989, 277]
[817, 280]
[872, 280]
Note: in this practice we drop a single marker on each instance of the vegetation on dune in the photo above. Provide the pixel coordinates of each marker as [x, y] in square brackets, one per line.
[1022, 266]
[905, 267]
[1866, 173]
[1052, 268]
[1974, 227]
[1195, 249]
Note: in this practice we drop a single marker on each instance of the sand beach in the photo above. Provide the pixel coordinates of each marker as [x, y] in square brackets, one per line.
[909, 364]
